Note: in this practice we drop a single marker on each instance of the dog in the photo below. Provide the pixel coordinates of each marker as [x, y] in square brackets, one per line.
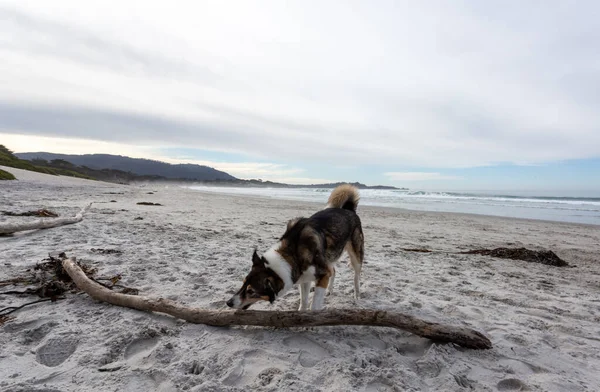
[307, 252]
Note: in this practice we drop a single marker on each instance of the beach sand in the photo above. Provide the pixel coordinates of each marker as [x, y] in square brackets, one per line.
[196, 248]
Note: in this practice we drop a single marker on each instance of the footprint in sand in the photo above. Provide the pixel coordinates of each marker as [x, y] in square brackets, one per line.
[251, 369]
[139, 349]
[36, 334]
[267, 376]
[56, 351]
[235, 375]
[311, 352]
[429, 367]
[412, 348]
[519, 366]
[379, 385]
[511, 384]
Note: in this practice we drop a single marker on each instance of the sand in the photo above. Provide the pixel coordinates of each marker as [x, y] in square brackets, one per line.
[544, 321]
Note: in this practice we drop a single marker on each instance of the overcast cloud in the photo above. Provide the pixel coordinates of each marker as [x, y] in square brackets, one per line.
[428, 85]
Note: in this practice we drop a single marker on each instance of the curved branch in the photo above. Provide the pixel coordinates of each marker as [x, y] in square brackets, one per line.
[10, 309]
[9, 228]
[283, 319]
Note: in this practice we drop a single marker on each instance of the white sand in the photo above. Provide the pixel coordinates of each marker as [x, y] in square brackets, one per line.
[544, 322]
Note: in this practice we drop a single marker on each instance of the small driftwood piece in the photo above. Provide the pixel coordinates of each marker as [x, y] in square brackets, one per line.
[6, 311]
[42, 213]
[9, 228]
[283, 319]
[418, 250]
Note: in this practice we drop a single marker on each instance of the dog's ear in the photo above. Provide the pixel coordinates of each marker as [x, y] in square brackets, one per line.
[292, 222]
[256, 261]
[269, 289]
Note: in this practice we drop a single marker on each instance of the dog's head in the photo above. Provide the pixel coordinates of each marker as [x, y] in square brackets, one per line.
[261, 284]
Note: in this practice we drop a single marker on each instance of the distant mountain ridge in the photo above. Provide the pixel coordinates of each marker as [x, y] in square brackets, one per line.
[122, 169]
[138, 166]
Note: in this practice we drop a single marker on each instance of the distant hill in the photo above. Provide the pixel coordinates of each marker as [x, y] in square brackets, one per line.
[121, 169]
[137, 166]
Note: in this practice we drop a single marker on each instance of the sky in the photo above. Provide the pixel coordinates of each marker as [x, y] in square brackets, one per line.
[456, 95]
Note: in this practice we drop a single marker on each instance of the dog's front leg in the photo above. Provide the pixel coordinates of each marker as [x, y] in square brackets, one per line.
[304, 291]
[318, 298]
[320, 289]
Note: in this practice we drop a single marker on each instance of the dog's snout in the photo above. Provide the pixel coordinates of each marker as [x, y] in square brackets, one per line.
[230, 303]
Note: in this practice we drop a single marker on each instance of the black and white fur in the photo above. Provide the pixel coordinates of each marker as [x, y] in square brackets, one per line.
[307, 252]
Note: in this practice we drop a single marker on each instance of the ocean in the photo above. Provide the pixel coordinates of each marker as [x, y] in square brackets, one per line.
[552, 208]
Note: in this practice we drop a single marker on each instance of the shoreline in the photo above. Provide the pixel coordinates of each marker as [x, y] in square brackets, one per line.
[394, 208]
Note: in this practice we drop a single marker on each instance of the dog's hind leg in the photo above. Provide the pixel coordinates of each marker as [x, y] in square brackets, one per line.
[331, 279]
[304, 291]
[355, 249]
[357, 267]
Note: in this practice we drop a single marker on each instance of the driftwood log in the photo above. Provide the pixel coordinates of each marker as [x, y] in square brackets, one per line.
[283, 319]
[9, 228]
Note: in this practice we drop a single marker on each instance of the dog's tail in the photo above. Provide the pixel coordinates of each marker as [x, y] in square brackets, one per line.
[344, 196]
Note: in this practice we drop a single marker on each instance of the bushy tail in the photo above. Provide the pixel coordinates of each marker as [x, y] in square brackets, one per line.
[344, 196]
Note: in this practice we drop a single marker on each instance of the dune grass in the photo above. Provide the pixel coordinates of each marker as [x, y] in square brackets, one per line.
[8, 159]
[4, 175]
